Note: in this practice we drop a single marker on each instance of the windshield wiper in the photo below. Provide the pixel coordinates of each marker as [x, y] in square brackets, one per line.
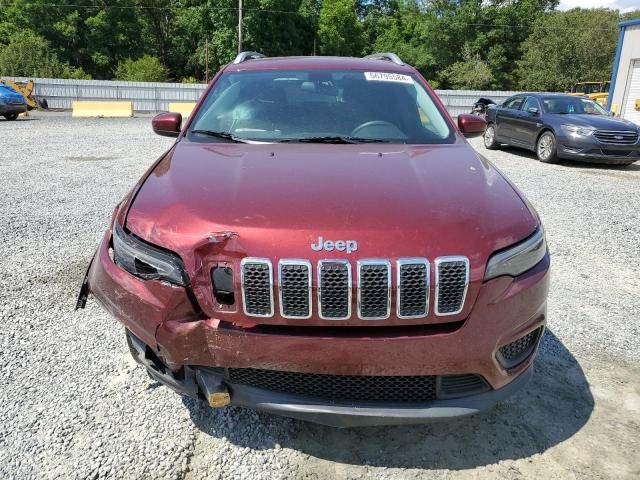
[222, 135]
[332, 139]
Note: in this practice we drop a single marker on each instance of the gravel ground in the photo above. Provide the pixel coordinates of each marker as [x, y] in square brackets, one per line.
[74, 405]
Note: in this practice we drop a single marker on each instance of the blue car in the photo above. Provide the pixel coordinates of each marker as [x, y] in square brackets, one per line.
[556, 126]
[12, 103]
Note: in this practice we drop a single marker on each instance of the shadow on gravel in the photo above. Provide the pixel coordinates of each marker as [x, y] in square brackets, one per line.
[527, 154]
[551, 409]
[19, 119]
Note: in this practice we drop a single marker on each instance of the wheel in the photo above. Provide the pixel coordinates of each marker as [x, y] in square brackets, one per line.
[490, 137]
[546, 148]
[11, 116]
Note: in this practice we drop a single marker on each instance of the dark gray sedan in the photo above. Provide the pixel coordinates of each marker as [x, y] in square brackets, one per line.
[562, 126]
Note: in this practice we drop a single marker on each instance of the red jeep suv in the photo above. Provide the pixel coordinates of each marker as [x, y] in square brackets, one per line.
[322, 242]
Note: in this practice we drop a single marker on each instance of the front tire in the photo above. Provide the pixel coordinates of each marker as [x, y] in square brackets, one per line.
[11, 116]
[490, 138]
[546, 148]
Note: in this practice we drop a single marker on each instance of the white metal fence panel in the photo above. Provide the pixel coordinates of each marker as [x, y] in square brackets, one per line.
[461, 101]
[146, 96]
[155, 97]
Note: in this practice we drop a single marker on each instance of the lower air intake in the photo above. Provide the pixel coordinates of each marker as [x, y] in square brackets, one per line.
[519, 350]
[390, 389]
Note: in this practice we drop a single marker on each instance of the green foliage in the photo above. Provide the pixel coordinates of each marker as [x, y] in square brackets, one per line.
[287, 34]
[74, 73]
[471, 73]
[499, 44]
[190, 80]
[406, 33]
[144, 69]
[339, 30]
[632, 15]
[29, 55]
[568, 47]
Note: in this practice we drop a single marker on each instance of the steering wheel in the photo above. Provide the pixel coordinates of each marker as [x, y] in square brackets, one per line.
[373, 123]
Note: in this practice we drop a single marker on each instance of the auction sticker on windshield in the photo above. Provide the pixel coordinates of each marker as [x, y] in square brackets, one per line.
[388, 77]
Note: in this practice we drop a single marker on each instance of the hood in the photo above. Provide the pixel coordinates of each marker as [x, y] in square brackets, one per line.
[596, 121]
[277, 199]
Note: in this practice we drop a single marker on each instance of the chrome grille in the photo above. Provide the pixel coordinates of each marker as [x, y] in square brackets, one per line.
[452, 280]
[375, 282]
[334, 289]
[374, 289]
[616, 137]
[413, 288]
[257, 286]
[295, 288]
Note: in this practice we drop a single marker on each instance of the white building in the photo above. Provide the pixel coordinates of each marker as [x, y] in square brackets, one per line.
[624, 95]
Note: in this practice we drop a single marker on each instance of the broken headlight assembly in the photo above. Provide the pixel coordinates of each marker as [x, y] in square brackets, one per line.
[146, 261]
[519, 258]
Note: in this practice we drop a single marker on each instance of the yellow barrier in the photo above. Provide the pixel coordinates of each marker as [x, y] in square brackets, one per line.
[102, 109]
[184, 108]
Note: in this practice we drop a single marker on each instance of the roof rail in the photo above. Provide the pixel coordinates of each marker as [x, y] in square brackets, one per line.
[244, 56]
[388, 56]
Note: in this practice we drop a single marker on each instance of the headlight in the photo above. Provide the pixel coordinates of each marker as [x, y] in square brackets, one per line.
[146, 261]
[578, 131]
[518, 259]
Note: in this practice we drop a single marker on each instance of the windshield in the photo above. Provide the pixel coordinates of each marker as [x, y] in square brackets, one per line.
[320, 105]
[572, 105]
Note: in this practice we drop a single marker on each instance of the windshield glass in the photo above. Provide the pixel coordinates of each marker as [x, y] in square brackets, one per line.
[320, 105]
[572, 105]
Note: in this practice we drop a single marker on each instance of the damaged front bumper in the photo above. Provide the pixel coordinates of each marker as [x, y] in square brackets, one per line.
[213, 385]
[193, 354]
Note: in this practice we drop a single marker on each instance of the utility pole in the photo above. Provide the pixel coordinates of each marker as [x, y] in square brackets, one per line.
[239, 26]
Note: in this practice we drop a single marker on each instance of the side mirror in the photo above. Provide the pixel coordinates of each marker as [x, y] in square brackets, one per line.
[532, 110]
[167, 124]
[471, 125]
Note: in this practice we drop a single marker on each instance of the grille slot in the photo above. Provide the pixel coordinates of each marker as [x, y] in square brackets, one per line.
[452, 280]
[295, 288]
[453, 386]
[616, 137]
[257, 286]
[334, 289]
[413, 288]
[374, 289]
[409, 389]
[515, 352]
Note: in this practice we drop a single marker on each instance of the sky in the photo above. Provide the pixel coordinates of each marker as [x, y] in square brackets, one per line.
[622, 5]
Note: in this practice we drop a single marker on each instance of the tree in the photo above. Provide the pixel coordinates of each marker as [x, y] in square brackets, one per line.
[339, 30]
[29, 55]
[285, 34]
[471, 73]
[405, 32]
[144, 69]
[568, 47]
